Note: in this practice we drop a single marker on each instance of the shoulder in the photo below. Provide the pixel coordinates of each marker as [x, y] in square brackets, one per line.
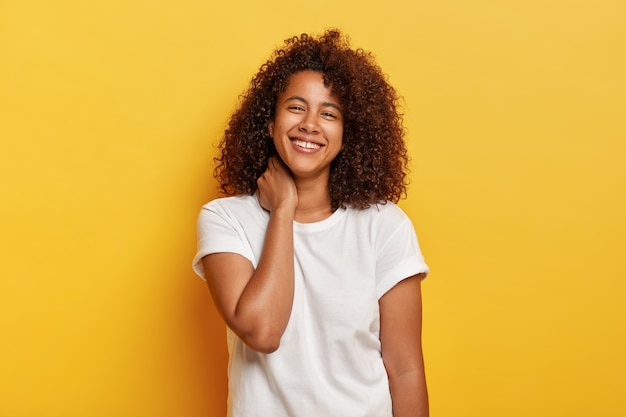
[235, 207]
[239, 202]
[385, 214]
[379, 221]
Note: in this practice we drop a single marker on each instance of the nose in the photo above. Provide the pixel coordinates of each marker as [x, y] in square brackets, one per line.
[309, 124]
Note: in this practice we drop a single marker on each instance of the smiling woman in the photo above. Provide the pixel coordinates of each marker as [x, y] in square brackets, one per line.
[369, 110]
[308, 127]
[309, 261]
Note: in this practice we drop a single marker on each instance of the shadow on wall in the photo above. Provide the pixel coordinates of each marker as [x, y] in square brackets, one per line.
[207, 334]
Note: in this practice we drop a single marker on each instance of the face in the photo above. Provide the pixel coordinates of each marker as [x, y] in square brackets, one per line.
[308, 127]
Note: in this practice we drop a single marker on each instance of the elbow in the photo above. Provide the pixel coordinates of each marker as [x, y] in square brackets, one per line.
[262, 342]
[267, 347]
[262, 336]
[263, 345]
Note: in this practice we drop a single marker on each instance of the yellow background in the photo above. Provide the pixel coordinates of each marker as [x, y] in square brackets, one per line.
[109, 114]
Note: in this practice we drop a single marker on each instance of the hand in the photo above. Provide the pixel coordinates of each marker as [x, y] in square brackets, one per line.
[277, 189]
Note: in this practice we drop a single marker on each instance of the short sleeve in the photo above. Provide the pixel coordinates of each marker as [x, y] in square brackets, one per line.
[399, 257]
[217, 232]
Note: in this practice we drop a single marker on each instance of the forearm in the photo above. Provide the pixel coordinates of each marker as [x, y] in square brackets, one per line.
[409, 395]
[401, 345]
[264, 308]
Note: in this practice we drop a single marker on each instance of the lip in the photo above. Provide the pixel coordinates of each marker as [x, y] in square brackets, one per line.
[305, 139]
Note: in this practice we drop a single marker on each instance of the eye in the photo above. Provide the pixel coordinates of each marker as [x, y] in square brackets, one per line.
[296, 107]
[329, 115]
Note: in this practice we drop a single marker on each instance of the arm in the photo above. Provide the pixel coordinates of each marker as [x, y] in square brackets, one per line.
[401, 344]
[256, 304]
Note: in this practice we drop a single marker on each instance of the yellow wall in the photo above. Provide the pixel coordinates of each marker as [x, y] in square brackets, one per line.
[109, 111]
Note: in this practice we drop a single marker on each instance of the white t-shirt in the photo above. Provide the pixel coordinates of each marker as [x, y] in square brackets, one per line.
[329, 361]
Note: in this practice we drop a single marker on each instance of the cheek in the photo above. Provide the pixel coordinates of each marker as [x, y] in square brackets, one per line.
[338, 134]
[280, 127]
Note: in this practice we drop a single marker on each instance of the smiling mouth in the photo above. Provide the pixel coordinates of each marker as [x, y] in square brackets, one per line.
[306, 144]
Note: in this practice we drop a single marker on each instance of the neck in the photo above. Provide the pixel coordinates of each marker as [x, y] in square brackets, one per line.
[314, 203]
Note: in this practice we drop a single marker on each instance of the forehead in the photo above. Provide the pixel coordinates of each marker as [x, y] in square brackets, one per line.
[309, 83]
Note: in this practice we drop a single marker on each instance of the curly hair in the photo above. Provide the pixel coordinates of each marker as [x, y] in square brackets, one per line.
[372, 166]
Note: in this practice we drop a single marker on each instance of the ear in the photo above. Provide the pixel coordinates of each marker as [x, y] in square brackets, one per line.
[270, 128]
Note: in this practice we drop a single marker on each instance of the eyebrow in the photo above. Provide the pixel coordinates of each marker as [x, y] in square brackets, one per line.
[324, 104]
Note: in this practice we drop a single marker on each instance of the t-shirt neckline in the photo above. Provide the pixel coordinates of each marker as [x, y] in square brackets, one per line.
[315, 226]
[327, 223]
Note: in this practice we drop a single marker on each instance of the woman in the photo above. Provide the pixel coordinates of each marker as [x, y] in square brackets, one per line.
[312, 266]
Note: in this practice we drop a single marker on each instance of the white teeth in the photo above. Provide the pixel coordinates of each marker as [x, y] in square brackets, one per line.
[305, 144]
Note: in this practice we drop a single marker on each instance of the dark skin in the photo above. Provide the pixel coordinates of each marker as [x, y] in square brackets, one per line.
[256, 303]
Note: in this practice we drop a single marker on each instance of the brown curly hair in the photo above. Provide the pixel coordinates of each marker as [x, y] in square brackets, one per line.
[373, 163]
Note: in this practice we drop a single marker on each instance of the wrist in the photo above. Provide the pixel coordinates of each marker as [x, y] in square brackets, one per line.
[283, 212]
